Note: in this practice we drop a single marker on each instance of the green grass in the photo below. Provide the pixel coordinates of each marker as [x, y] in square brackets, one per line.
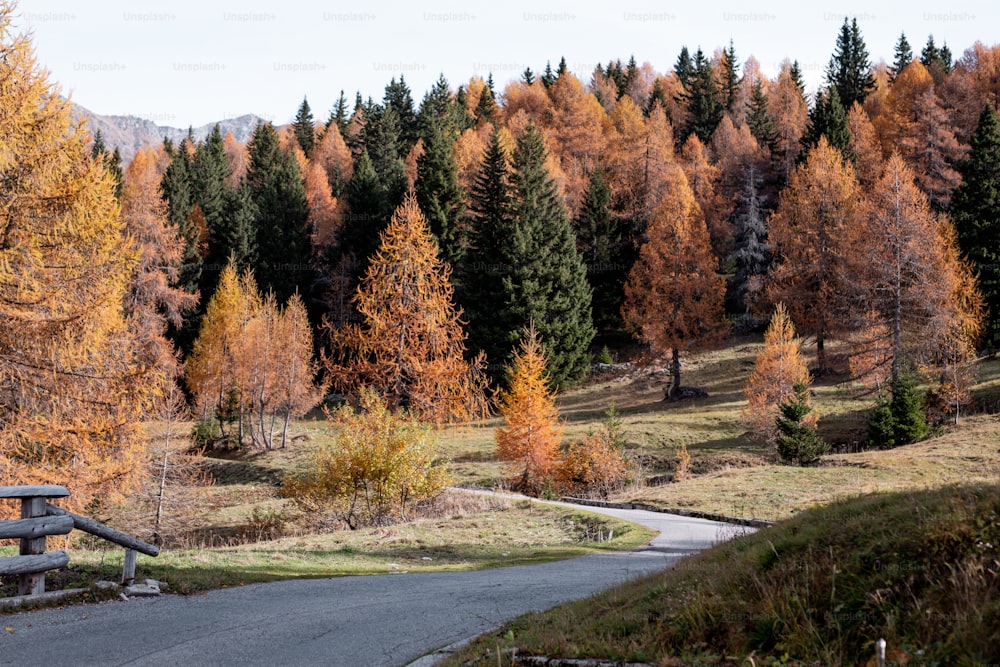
[518, 533]
[919, 569]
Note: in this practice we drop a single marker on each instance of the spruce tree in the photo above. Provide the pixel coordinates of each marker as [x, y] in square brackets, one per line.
[209, 171]
[798, 441]
[827, 119]
[176, 189]
[601, 247]
[684, 68]
[439, 195]
[305, 127]
[975, 207]
[527, 76]
[904, 56]
[548, 77]
[112, 160]
[850, 71]
[760, 121]
[656, 96]
[484, 268]
[438, 112]
[359, 234]
[795, 72]
[930, 55]
[547, 284]
[702, 98]
[400, 100]
[730, 78]
[280, 219]
[899, 419]
[339, 117]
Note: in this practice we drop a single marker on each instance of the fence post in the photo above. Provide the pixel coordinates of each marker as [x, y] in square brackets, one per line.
[32, 584]
[128, 572]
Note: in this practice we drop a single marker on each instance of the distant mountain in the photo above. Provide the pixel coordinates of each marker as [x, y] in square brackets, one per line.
[129, 133]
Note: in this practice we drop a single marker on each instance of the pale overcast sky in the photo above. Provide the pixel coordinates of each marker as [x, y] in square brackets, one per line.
[184, 63]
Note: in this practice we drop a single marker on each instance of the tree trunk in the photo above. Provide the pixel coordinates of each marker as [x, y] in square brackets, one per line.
[820, 356]
[675, 375]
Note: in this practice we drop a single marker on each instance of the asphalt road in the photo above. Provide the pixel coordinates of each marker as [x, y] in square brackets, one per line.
[356, 621]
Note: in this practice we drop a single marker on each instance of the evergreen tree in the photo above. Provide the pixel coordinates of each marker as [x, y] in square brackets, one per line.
[904, 56]
[975, 207]
[280, 219]
[562, 68]
[898, 420]
[684, 68]
[438, 112]
[656, 96]
[527, 76]
[850, 71]
[702, 98]
[548, 282]
[760, 121]
[751, 254]
[439, 195]
[305, 127]
[730, 78]
[930, 55]
[237, 238]
[112, 161]
[338, 115]
[399, 99]
[209, 171]
[487, 110]
[359, 235]
[601, 247]
[795, 72]
[827, 119]
[548, 77]
[484, 269]
[176, 189]
[798, 441]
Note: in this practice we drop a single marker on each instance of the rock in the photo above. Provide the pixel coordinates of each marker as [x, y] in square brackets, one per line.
[142, 591]
[162, 585]
[105, 585]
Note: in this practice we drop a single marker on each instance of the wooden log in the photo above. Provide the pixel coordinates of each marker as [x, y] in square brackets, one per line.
[110, 534]
[43, 491]
[128, 571]
[32, 583]
[8, 603]
[26, 565]
[35, 527]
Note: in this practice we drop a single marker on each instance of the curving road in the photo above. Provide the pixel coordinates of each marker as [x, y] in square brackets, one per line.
[356, 621]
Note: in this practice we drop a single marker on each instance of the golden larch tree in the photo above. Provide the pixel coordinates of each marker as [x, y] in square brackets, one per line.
[72, 388]
[531, 434]
[865, 149]
[410, 344]
[674, 297]
[296, 390]
[779, 368]
[814, 231]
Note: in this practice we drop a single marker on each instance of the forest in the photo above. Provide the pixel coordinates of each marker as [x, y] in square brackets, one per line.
[478, 251]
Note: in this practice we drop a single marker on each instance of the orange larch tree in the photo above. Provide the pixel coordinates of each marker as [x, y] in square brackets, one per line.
[703, 178]
[787, 103]
[674, 297]
[410, 344]
[531, 434]
[865, 148]
[72, 387]
[813, 232]
[779, 368]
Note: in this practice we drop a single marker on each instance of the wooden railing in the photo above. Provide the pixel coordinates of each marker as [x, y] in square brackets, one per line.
[39, 519]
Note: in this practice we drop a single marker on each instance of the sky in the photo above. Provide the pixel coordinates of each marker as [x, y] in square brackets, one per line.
[185, 63]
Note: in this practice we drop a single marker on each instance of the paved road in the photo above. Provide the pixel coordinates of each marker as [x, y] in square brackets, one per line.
[356, 621]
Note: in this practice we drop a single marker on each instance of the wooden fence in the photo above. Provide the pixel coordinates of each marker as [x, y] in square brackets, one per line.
[39, 519]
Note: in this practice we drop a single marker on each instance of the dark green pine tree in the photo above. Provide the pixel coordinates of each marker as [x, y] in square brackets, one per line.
[548, 77]
[602, 249]
[304, 127]
[656, 96]
[400, 100]
[937, 61]
[361, 227]
[730, 82]
[487, 110]
[112, 160]
[562, 68]
[850, 71]
[177, 192]
[684, 68]
[751, 256]
[339, 117]
[438, 112]
[947, 61]
[760, 121]
[280, 220]
[702, 97]
[527, 76]
[795, 72]
[975, 208]
[480, 275]
[900, 419]
[547, 283]
[238, 237]
[827, 118]
[208, 173]
[439, 195]
[904, 56]
[798, 442]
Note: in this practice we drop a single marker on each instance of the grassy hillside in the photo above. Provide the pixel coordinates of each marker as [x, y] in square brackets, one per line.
[919, 569]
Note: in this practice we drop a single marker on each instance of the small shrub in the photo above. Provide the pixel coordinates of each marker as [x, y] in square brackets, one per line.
[598, 464]
[605, 356]
[377, 470]
[683, 471]
[205, 433]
